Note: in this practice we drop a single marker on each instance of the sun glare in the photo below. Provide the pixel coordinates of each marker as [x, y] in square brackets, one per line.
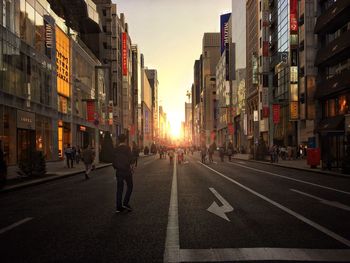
[175, 125]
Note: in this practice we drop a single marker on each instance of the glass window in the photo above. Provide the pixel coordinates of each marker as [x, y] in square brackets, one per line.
[30, 24]
[331, 108]
[343, 104]
[39, 33]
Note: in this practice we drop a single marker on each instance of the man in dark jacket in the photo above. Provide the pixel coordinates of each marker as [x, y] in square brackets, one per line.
[123, 164]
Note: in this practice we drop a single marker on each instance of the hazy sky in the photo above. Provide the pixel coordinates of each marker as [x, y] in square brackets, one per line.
[169, 34]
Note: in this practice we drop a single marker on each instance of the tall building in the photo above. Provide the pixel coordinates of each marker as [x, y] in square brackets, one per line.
[284, 66]
[153, 80]
[42, 102]
[333, 80]
[188, 123]
[196, 100]
[210, 56]
[238, 37]
[307, 73]
[252, 81]
[135, 84]
[145, 106]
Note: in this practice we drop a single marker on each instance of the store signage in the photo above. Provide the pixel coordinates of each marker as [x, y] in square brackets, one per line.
[110, 112]
[90, 106]
[224, 30]
[245, 124]
[230, 128]
[293, 16]
[294, 110]
[50, 41]
[62, 62]
[124, 54]
[256, 116]
[25, 120]
[265, 112]
[276, 109]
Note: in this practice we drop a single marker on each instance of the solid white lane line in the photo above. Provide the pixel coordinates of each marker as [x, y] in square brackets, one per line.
[287, 210]
[267, 254]
[292, 179]
[172, 242]
[241, 162]
[8, 228]
[324, 201]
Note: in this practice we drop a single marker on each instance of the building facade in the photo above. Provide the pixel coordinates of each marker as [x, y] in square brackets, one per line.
[211, 45]
[333, 80]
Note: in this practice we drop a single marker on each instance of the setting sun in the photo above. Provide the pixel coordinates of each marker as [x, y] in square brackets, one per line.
[175, 124]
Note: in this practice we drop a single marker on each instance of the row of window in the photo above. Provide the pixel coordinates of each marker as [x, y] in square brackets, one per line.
[337, 106]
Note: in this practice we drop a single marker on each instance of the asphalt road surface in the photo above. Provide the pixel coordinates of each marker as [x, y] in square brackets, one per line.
[190, 212]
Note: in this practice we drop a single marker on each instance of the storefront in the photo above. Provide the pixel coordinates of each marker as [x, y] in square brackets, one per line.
[22, 130]
[85, 136]
[64, 137]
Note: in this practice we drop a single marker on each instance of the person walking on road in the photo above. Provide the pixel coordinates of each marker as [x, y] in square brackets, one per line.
[69, 158]
[222, 153]
[211, 152]
[203, 152]
[123, 165]
[230, 150]
[135, 152]
[88, 157]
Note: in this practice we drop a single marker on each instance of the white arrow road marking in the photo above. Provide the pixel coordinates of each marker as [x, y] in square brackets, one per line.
[220, 210]
[285, 209]
[8, 228]
[324, 201]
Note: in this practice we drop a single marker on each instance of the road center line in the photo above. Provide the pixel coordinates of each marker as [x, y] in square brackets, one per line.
[21, 222]
[285, 209]
[172, 243]
[292, 179]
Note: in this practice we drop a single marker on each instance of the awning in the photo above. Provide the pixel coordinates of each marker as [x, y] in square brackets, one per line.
[334, 85]
[335, 51]
[333, 18]
[335, 125]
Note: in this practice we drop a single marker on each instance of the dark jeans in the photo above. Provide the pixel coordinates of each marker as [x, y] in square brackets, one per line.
[69, 160]
[120, 188]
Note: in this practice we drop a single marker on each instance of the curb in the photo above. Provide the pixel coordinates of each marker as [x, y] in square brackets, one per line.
[297, 168]
[50, 178]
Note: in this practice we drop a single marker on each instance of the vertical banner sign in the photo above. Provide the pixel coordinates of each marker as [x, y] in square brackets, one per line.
[50, 37]
[256, 116]
[110, 112]
[276, 108]
[265, 102]
[90, 106]
[224, 28]
[294, 110]
[124, 54]
[230, 128]
[293, 17]
[245, 124]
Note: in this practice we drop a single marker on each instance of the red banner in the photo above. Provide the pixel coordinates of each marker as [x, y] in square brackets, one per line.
[124, 54]
[265, 112]
[265, 49]
[90, 106]
[230, 128]
[276, 108]
[293, 16]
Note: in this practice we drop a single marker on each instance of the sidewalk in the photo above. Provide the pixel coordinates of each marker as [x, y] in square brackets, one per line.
[293, 164]
[55, 171]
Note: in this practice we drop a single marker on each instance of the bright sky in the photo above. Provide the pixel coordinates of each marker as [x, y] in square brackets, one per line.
[169, 34]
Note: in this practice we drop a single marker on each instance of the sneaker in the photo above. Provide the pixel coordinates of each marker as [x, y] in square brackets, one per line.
[119, 210]
[127, 207]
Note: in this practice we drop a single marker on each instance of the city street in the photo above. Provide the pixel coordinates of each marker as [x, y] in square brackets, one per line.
[189, 212]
